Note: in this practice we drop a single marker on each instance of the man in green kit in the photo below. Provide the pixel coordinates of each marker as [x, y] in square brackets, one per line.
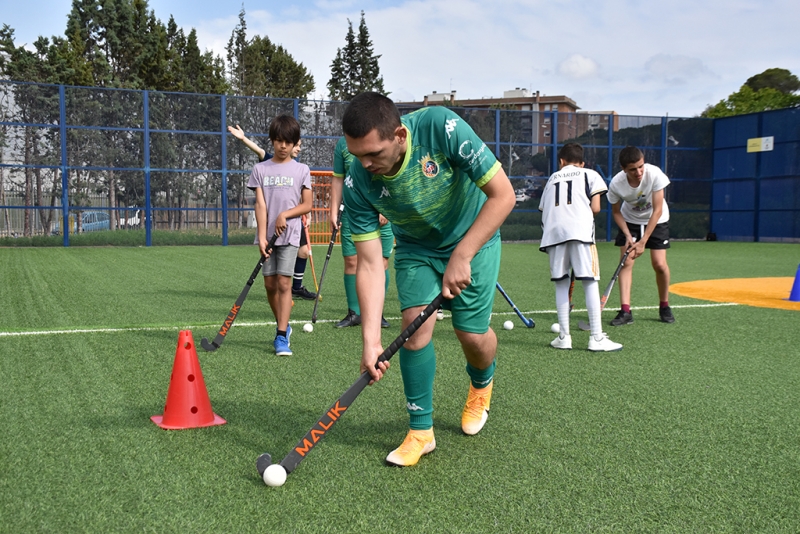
[446, 196]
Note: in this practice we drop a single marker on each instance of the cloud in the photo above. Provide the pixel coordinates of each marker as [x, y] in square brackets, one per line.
[676, 70]
[577, 67]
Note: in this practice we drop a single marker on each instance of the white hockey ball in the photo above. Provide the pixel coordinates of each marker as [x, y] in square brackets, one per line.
[555, 328]
[274, 475]
[508, 325]
[308, 327]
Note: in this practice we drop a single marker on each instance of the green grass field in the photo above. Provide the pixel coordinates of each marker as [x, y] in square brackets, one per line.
[693, 427]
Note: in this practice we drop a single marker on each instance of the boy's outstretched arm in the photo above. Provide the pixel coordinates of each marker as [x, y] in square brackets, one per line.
[238, 133]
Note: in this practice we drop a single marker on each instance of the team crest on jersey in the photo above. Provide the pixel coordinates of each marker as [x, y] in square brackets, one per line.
[429, 167]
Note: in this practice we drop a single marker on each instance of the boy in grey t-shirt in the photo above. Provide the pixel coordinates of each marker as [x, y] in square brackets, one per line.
[283, 194]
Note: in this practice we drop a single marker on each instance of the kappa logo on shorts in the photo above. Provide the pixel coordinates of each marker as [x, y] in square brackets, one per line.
[429, 167]
[666, 241]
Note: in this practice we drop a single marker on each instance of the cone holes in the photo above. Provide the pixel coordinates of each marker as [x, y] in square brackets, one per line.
[190, 378]
[193, 410]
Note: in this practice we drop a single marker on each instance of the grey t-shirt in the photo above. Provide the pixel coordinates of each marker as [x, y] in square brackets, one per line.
[282, 184]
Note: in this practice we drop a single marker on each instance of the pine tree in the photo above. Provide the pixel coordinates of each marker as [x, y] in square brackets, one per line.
[259, 67]
[370, 72]
[355, 68]
[236, 62]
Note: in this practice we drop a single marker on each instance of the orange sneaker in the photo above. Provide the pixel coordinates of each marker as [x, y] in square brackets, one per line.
[417, 444]
[476, 410]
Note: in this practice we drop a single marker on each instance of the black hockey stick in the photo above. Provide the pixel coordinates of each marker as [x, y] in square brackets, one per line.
[332, 414]
[527, 322]
[327, 259]
[604, 298]
[226, 326]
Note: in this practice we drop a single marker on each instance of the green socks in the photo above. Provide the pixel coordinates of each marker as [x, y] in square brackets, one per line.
[418, 368]
[481, 377]
[350, 291]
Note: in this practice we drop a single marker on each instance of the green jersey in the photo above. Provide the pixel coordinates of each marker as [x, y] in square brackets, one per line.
[434, 198]
[342, 158]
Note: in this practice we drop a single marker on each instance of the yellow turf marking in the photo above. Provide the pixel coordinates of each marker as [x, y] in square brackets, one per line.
[759, 292]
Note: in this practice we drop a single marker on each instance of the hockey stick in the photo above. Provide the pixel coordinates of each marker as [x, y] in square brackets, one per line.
[603, 299]
[226, 326]
[334, 413]
[527, 322]
[571, 289]
[327, 259]
[310, 255]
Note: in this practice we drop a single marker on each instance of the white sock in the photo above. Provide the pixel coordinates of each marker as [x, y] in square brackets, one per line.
[592, 291]
[562, 304]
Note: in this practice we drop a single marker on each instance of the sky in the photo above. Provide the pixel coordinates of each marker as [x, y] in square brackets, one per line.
[635, 57]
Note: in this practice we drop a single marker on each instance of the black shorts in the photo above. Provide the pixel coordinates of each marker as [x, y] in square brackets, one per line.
[659, 239]
[303, 240]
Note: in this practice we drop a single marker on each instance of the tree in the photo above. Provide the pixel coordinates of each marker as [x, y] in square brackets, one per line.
[258, 67]
[355, 68]
[746, 100]
[780, 79]
[236, 63]
[772, 89]
[369, 71]
[33, 104]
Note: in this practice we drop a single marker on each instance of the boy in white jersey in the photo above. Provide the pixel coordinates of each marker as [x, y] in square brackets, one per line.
[569, 203]
[283, 194]
[446, 196]
[636, 195]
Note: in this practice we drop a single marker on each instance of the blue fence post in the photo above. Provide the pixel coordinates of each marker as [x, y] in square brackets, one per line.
[62, 119]
[554, 143]
[610, 172]
[223, 129]
[497, 136]
[663, 159]
[148, 211]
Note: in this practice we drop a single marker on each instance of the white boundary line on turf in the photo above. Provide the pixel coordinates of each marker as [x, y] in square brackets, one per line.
[679, 306]
[268, 323]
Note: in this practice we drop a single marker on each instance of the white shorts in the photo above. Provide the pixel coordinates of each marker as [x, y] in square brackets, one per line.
[582, 258]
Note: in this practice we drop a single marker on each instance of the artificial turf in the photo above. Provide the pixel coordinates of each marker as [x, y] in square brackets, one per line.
[691, 427]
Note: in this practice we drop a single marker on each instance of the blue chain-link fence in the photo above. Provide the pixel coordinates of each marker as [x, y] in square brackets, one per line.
[119, 160]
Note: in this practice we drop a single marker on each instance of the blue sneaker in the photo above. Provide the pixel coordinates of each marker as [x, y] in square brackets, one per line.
[281, 343]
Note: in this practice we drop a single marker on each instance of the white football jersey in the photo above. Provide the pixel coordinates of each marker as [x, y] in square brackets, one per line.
[566, 206]
[637, 203]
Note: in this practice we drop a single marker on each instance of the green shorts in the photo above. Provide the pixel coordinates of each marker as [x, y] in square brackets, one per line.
[349, 248]
[419, 280]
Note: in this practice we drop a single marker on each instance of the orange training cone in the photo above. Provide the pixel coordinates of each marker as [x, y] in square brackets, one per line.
[795, 294]
[188, 405]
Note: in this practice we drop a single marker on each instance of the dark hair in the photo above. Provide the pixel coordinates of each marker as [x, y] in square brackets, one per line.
[284, 128]
[629, 154]
[370, 111]
[571, 153]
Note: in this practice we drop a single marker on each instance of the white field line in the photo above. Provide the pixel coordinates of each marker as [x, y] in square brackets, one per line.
[296, 322]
